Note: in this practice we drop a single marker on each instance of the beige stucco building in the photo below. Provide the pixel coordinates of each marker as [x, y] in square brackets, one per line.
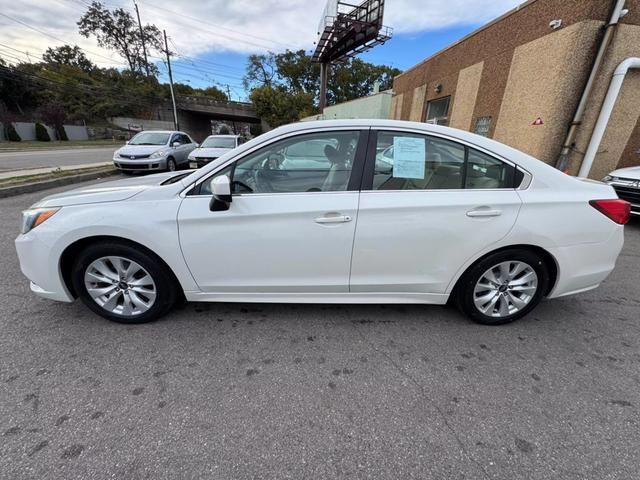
[520, 78]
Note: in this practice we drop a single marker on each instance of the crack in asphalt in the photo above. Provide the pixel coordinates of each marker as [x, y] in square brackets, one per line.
[423, 394]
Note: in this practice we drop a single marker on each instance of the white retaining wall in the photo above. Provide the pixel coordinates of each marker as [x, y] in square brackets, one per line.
[27, 131]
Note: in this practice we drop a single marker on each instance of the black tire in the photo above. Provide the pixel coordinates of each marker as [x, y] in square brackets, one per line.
[172, 166]
[464, 292]
[167, 289]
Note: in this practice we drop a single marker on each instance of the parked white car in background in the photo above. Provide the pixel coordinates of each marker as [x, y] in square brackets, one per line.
[626, 183]
[213, 147]
[154, 150]
[306, 213]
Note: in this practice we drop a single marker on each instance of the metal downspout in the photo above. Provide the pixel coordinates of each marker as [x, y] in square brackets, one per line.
[563, 159]
[605, 113]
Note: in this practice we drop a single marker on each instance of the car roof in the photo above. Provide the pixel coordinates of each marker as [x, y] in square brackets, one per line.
[163, 131]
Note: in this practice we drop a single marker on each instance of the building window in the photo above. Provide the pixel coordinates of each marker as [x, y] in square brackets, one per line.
[438, 111]
[482, 126]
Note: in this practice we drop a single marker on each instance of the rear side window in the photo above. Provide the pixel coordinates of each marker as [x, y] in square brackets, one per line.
[405, 161]
[484, 171]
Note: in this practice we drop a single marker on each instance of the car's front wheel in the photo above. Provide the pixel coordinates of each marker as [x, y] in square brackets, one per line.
[123, 283]
[503, 286]
[171, 165]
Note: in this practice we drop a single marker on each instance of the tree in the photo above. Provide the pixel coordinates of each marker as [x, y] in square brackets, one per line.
[67, 55]
[299, 74]
[261, 71]
[356, 78]
[54, 115]
[41, 133]
[277, 106]
[118, 30]
[7, 118]
[213, 92]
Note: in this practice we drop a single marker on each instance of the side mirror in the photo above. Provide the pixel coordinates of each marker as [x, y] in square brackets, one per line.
[221, 188]
[127, 142]
[175, 144]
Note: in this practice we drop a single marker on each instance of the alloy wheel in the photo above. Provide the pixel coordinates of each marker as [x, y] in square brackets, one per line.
[505, 289]
[120, 286]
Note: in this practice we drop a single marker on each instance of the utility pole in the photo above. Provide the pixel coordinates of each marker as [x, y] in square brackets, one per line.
[144, 47]
[173, 97]
[228, 93]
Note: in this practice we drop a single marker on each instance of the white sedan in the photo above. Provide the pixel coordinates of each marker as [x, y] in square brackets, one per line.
[310, 213]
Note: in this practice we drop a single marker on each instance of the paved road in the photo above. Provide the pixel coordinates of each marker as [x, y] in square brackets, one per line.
[54, 158]
[241, 391]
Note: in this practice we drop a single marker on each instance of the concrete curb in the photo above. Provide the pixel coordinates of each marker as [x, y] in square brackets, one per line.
[55, 182]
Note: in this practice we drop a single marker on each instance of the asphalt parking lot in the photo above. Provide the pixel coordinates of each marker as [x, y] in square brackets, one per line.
[235, 391]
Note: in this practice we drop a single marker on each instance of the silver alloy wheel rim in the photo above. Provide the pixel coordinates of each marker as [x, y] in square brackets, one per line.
[120, 286]
[171, 165]
[505, 289]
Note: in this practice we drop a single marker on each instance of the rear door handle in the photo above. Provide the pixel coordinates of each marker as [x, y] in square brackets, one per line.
[484, 213]
[334, 219]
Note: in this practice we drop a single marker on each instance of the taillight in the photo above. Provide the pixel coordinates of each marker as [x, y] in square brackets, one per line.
[617, 210]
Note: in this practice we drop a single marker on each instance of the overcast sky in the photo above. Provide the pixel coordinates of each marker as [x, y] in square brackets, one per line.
[222, 32]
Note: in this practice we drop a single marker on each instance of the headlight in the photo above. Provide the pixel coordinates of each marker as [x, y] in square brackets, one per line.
[191, 157]
[35, 216]
[608, 178]
[158, 154]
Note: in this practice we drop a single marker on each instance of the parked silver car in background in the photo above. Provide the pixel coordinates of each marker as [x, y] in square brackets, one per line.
[626, 182]
[154, 150]
[214, 146]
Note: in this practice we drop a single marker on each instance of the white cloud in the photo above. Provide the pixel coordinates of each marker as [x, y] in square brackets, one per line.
[244, 26]
[423, 15]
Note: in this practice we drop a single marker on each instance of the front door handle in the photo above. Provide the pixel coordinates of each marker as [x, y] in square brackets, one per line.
[484, 213]
[334, 219]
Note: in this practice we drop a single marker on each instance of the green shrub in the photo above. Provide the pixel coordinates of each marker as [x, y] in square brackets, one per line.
[12, 135]
[62, 133]
[41, 133]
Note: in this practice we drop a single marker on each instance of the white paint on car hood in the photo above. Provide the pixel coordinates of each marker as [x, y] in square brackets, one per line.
[113, 191]
[630, 172]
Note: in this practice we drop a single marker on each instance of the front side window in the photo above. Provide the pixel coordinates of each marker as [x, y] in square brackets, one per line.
[319, 162]
[406, 161]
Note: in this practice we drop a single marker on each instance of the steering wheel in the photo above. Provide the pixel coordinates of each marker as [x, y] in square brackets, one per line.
[262, 176]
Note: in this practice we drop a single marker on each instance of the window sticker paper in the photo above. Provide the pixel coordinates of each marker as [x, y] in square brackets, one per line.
[408, 157]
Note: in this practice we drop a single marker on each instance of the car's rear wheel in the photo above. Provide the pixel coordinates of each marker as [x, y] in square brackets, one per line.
[171, 165]
[123, 283]
[503, 286]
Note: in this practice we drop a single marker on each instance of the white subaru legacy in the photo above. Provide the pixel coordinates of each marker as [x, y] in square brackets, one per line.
[354, 211]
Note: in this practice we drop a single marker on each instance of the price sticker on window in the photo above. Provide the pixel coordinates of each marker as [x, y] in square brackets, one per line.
[409, 157]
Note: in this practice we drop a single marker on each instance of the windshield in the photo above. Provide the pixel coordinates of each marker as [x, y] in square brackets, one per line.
[219, 142]
[150, 138]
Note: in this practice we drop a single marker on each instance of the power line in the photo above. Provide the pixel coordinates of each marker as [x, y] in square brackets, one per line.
[58, 39]
[181, 15]
[63, 87]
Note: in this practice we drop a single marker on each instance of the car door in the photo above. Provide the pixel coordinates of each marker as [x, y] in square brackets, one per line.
[280, 235]
[184, 149]
[428, 205]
